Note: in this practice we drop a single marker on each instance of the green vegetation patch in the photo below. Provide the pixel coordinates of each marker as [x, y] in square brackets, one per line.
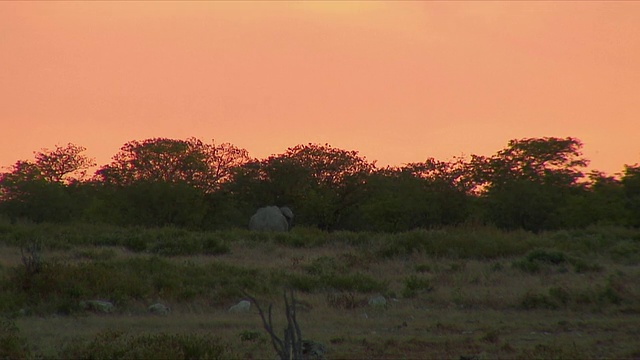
[477, 243]
[120, 345]
[554, 260]
[59, 287]
[597, 297]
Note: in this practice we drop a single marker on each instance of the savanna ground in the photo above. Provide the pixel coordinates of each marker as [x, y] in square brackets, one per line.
[459, 293]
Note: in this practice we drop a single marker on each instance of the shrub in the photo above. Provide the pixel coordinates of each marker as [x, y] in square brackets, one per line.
[252, 336]
[119, 345]
[325, 266]
[538, 259]
[59, 286]
[345, 300]
[537, 301]
[546, 256]
[413, 285]
[12, 345]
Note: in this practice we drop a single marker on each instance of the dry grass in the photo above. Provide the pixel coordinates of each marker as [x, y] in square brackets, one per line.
[473, 308]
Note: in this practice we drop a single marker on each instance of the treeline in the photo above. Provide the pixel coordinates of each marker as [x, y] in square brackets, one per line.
[534, 184]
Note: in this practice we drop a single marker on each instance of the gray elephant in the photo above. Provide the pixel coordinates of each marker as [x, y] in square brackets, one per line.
[272, 218]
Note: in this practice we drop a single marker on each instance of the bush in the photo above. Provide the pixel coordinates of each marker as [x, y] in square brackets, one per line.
[119, 345]
[345, 300]
[60, 286]
[413, 285]
[12, 345]
[538, 259]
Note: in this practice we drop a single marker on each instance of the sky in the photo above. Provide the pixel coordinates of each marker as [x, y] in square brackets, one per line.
[397, 81]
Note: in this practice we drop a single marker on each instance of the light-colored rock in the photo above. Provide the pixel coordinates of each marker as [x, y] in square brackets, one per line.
[159, 309]
[378, 301]
[100, 306]
[241, 307]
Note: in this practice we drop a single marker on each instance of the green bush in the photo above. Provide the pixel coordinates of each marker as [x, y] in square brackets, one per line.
[414, 285]
[59, 286]
[12, 344]
[119, 345]
[342, 282]
[539, 259]
[538, 301]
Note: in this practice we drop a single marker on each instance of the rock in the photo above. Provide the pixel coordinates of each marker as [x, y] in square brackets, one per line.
[100, 306]
[378, 301]
[241, 307]
[159, 309]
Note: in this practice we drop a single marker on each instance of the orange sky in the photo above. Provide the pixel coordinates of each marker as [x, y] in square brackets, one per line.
[397, 81]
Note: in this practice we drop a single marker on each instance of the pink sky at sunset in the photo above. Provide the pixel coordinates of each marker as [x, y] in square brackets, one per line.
[398, 81]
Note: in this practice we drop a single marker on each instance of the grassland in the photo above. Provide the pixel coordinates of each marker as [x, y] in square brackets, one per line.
[459, 293]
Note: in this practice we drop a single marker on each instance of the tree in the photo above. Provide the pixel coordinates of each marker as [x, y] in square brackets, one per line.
[64, 164]
[526, 184]
[150, 203]
[40, 190]
[549, 160]
[631, 184]
[321, 183]
[204, 166]
[600, 201]
[425, 194]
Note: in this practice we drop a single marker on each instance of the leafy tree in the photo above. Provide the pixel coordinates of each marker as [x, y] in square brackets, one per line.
[150, 203]
[526, 184]
[321, 183]
[427, 194]
[64, 164]
[204, 166]
[548, 160]
[40, 190]
[599, 201]
[631, 184]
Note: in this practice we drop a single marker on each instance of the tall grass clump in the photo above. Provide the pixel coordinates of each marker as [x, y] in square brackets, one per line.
[120, 345]
[614, 292]
[414, 285]
[590, 240]
[166, 241]
[12, 344]
[60, 287]
[329, 273]
[553, 260]
[475, 243]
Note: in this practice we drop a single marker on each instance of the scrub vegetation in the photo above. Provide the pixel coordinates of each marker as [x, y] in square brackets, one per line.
[533, 184]
[453, 292]
[518, 255]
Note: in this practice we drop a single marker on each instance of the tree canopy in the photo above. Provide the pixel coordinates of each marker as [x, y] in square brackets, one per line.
[533, 184]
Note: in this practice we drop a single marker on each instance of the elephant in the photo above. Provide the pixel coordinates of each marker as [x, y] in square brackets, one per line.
[272, 218]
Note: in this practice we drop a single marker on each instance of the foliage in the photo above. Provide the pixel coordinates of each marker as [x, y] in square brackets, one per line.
[120, 345]
[12, 345]
[417, 195]
[64, 164]
[533, 184]
[150, 203]
[543, 259]
[321, 183]
[631, 183]
[547, 160]
[45, 190]
[203, 166]
[414, 285]
[61, 286]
